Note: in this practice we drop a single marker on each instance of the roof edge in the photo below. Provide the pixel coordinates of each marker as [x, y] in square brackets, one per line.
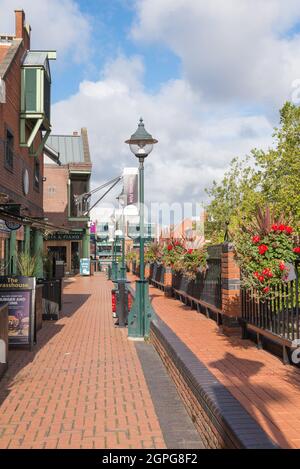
[9, 57]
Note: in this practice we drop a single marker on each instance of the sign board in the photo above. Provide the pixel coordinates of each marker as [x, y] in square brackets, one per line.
[19, 294]
[13, 226]
[85, 266]
[93, 228]
[3, 227]
[64, 237]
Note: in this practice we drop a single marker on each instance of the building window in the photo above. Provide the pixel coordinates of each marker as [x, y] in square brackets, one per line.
[9, 150]
[51, 191]
[36, 175]
[79, 204]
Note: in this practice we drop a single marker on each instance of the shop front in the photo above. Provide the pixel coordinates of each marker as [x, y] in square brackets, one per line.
[67, 248]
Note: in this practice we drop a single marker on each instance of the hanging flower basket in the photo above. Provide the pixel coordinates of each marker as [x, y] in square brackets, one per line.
[266, 258]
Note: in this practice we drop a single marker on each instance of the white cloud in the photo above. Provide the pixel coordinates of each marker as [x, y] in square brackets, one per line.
[196, 141]
[230, 50]
[56, 24]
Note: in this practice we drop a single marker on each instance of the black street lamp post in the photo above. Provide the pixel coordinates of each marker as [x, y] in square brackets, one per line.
[141, 144]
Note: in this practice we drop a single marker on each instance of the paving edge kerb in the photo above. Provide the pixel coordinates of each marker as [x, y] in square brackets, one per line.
[219, 417]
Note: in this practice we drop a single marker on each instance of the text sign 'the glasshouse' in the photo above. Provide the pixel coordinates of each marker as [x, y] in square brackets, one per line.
[19, 293]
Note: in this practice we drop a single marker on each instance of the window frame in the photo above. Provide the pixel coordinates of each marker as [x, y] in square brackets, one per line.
[9, 162]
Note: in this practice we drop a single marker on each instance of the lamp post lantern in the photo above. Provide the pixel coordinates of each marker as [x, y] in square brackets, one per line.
[141, 144]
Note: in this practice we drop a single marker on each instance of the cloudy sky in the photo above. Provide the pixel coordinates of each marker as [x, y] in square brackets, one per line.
[207, 77]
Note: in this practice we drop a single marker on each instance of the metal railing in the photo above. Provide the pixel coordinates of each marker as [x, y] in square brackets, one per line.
[278, 315]
[207, 286]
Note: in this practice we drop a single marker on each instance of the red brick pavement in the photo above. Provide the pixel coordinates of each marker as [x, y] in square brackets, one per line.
[269, 390]
[82, 386]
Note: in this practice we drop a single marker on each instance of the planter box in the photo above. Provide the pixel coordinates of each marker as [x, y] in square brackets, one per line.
[3, 339]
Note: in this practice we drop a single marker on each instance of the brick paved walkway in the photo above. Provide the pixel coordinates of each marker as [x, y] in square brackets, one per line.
[82, 386]
[269, 390]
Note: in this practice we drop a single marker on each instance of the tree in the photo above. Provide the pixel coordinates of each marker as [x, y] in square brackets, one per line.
[264, 178]
[279, 168]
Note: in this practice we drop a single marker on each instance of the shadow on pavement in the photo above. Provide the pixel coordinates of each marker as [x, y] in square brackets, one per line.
[71, 303]
[243, 369]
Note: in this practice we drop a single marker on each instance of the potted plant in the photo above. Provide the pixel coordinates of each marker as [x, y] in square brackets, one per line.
[27, 267]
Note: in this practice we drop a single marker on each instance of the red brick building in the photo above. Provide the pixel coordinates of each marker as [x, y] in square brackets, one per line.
[25, 84]
[67, 172]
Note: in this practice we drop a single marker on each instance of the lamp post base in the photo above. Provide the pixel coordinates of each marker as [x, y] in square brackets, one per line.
[141, 313]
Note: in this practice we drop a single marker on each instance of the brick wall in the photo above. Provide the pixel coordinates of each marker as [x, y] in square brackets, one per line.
[221, 420]
[56, 195]
[211, 438]
[11, 181]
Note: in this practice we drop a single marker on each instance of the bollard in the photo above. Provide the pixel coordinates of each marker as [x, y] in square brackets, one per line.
[123, 303]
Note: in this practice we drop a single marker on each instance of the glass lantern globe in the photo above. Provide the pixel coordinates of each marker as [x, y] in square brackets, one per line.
[141, 142]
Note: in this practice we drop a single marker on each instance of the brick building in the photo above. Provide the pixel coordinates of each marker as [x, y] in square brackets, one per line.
[67, 171]
[25, 84]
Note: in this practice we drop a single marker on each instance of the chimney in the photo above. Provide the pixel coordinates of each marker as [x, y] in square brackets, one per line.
[22, 30]
[20, 21]
[75, 133]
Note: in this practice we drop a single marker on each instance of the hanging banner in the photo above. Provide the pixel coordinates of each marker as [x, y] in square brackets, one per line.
[130, 186]
[19, 294]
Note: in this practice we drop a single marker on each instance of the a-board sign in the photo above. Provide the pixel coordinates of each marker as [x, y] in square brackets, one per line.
[19, 294]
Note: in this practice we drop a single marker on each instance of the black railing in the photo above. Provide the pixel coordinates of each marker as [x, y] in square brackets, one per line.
[158, 273]
[278, 315]
[207, 286]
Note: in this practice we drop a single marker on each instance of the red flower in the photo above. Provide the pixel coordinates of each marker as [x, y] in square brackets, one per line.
[170, 247]
[256, 274]
[190, 251]
[262, 249]
[256, 239]
[261, 278]
[282, 266]
[266, 289]
[267, 272]
[274, 227]
[288, 230]
[282, 227]
[297, 250]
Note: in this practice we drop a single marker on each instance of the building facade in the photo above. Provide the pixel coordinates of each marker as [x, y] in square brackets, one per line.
[25, 90]
[67, 172]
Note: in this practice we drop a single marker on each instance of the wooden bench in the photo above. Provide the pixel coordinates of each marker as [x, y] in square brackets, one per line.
[286, 344]
[157, 284]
